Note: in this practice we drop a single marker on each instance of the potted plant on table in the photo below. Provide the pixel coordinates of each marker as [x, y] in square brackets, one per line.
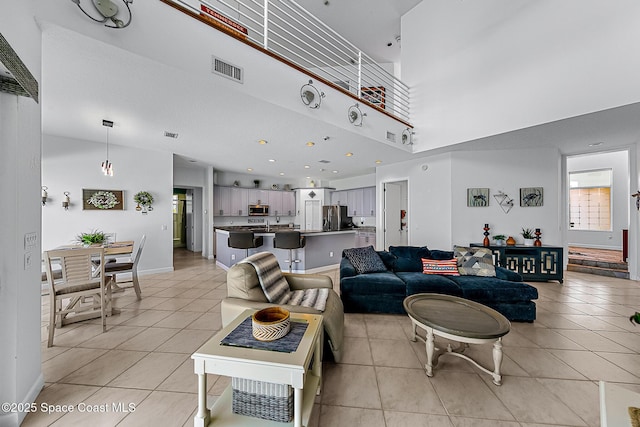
[94, 237]
[499, 239]
[529, 237]
[635, 318]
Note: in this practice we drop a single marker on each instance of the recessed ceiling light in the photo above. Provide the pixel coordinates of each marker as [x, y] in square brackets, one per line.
[281, 173]
[272, 160]
[310, 144]
[250, 169]
[334, 171]
[378, 162]
[349, 154]
[596, 144]
[308, 177]
[307, 166]
[322, 169]
[263, 142]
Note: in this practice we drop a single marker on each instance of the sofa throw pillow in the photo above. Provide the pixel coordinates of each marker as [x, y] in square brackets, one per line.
[365, 260]
[474, 261]
[446, 267]
[408, 258]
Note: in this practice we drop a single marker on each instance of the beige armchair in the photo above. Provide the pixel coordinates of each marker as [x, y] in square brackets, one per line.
[244, 291]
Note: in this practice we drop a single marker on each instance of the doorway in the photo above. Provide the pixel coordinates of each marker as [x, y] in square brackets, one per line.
[395, 213]
[187, 218]
[598, 207]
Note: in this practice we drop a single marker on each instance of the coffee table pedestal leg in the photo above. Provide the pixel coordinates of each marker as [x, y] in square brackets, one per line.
[430, 348]
[497, 361]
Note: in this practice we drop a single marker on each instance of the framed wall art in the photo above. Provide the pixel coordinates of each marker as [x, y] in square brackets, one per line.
[531, 196]
[373, 95]
[102, 200]
[477, 197]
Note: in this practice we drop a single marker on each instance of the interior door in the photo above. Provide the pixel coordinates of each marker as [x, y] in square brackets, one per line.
[312, 215]
[393, 232]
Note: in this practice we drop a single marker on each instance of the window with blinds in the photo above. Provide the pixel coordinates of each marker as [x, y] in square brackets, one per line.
[590, 200]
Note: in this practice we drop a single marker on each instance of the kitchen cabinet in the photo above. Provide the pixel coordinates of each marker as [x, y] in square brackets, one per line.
[258, 196]
[365, 238]
[339, 198]
[288, 203]
[359, 201]
[235, 201]
[369, 201]
[275, 203]
[355, 200]
[221, 201]
[239, 201]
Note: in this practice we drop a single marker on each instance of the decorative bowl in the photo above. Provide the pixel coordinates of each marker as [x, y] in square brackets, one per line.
[270, 323]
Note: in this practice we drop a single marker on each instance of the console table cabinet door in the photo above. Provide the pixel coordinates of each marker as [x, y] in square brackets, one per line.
[533, 263]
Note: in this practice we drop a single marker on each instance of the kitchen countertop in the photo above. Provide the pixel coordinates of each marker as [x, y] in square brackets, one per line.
[272, 230]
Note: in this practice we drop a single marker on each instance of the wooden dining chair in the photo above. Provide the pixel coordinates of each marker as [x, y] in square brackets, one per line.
[78, 290]
[131, 266]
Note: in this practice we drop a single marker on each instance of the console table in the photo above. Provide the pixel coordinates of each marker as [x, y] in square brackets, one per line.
[533, 263]
[301, 369]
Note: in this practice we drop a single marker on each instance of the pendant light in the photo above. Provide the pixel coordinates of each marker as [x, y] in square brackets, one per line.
[107, 167]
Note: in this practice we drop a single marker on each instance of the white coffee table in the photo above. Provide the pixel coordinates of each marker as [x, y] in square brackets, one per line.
[460, 320]
[260, 365]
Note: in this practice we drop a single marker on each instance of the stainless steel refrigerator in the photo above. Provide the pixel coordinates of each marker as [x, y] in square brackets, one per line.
[334, 217]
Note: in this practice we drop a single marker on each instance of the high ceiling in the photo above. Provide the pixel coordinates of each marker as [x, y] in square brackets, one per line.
[149, 80]
[86, 80]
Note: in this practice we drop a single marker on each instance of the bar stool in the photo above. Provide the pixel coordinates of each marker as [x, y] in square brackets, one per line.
[289, 240]
[244, 240]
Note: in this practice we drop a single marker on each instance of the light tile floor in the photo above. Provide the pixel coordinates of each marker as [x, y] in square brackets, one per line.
[551, 367]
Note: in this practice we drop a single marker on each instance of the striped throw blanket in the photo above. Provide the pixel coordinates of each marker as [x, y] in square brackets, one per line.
[276, 287]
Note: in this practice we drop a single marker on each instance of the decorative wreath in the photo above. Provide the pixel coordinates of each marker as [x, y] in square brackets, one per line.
[103, 200]
[143, 198]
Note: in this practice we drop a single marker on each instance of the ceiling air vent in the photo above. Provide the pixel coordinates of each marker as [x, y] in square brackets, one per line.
[173, 135]
[230, 71]
[391, 137]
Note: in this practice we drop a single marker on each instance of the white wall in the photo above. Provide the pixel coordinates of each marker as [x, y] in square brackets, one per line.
[429, 200]
[20, 319]
[71, 165]
[619, 163]
[484, 68]
[438, 214]
[506, 171]
[354, 182]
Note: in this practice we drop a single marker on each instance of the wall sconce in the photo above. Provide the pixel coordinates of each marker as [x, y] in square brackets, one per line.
[44, 194]
[355, 115]
[66, 201]
[108, 12]
[407, 137]
[310, 95]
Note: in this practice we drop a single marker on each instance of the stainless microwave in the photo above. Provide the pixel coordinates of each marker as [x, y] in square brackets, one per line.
[258, 210]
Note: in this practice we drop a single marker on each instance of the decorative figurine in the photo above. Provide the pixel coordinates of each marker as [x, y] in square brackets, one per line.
[537, 242]
[486, 241]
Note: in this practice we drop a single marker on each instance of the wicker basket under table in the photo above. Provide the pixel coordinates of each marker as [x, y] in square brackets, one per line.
[261, 399]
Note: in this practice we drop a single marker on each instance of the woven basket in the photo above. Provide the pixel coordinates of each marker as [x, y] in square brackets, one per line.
[270, 324]
[264, 400]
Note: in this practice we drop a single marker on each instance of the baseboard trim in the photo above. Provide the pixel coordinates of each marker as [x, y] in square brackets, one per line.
[14, 419]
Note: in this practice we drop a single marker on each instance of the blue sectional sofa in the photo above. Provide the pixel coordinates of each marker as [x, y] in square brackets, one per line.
[384, 291]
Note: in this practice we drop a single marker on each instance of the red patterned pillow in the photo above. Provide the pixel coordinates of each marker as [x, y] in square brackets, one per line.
[448, 267]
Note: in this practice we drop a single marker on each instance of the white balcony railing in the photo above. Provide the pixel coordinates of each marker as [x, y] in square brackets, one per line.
[287, 30]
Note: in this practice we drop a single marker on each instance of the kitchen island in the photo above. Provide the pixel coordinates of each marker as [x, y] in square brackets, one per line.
[323, 249]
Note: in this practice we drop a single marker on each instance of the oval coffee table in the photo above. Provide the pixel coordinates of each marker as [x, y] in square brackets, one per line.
[460, 320]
